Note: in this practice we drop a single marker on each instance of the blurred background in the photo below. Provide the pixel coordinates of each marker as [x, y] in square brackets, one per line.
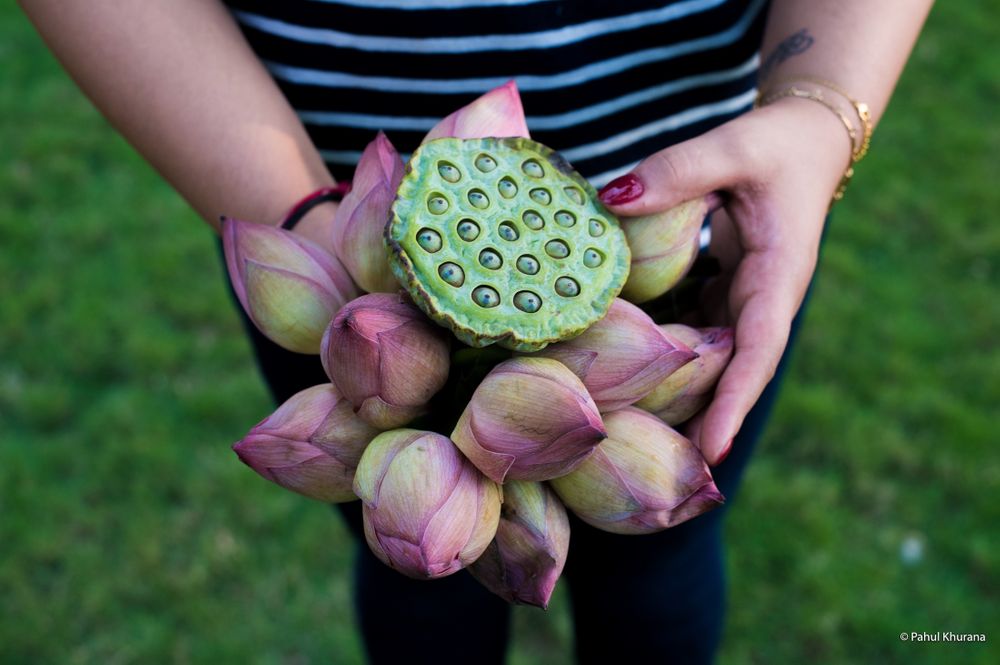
[130, 533]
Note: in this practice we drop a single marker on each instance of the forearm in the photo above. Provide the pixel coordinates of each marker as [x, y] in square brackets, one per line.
[178, 80]
[858, 44]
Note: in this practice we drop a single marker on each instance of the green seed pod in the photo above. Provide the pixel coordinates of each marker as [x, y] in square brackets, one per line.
[501, 241]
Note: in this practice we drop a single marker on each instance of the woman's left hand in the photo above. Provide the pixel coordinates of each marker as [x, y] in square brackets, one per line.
[774, 170]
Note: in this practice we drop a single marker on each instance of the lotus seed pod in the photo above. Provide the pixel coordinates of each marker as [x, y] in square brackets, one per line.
[502, 242]
[289, 286]
[497, 113]
[386, 358]
[310, 445]
[644, 477]
[525, 559]
[622, 357]
[427, 511]
[360, 220]
[664, 246]
[687, 391]
[529, 419]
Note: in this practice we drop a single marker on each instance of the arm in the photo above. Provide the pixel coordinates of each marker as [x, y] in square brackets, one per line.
[776, 169]
[178, 80]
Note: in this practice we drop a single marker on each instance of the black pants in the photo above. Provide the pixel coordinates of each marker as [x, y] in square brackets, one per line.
[657, 598]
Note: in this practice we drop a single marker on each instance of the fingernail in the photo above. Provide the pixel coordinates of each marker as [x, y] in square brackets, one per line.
[725, 452]
[621, 190]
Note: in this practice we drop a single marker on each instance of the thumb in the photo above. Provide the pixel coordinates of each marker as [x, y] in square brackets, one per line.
[676, 174]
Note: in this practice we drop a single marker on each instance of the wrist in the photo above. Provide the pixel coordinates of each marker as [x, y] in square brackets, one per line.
[312, 217]
[317, 224]
[817, 136]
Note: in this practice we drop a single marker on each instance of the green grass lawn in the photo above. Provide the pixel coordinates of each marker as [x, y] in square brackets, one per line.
[130, 533]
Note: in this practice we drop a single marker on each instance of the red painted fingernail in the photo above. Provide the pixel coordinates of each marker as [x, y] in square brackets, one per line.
[725, 452]
[621, 190]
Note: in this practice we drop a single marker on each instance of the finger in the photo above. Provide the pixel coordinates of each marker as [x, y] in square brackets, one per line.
[714, 301]
[762, 326]
[679, 173]
[692, 428]
[724, 243]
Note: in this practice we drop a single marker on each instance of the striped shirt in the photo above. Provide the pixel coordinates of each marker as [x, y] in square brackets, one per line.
[604, 83]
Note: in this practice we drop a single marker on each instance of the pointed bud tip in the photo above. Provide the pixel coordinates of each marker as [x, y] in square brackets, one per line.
[243, 452]
[710, 492]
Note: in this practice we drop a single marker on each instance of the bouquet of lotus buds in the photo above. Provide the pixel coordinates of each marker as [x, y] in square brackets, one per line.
[484, 374]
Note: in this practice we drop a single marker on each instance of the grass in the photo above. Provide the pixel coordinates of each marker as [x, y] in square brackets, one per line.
[130, 534]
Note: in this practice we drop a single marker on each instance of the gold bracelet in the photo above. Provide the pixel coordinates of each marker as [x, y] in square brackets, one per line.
[858, 147]
[863, 111]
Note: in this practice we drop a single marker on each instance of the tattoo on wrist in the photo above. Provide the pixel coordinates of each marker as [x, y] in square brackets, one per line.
[792, 45]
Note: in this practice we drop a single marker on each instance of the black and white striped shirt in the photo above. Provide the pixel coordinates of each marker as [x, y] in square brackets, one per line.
[604, 83]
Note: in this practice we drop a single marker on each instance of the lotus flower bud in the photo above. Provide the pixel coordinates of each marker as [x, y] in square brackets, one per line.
[622, 357]
[497, 113]
[386, 358]
[524, 561]
[664, 245]
[529, 419]
[644, 477]
[289, 286]
[361, 218]
[689, 389]
[427, 511]
[310, 445]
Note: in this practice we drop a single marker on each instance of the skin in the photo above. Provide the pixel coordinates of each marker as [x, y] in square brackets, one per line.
[774, 171]
[178, 80]
[181, 84]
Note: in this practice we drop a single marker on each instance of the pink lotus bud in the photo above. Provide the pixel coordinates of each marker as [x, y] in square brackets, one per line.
[622, 357]
[427, 511]
[362, 216]
[497, 113]
[386, 358]
[645, 477]
[530, 419]
[524, 561]
[664, 245]
[310, 445]
[689, 389]
[289, 286]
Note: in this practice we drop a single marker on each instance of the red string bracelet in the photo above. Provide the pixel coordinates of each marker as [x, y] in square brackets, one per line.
[321, 195]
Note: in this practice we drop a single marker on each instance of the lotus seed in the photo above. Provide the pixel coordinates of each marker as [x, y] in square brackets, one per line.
[532, 168]
[540, 195]
[452, 273]
[527, 301]
[527, 264]
[567, 287]
[449, 172]
[533, 220]
[468, 230]
[485, 163]
[565, 218]
[508, 232]
[429, 239]
[508, 188]
[596, 228]
[490, 259]
[575, 194]
[479, 199]
[485, 296]
[592, 258]
[557, 249]
[437, 204]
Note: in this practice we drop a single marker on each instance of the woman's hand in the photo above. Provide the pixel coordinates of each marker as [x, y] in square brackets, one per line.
[774, 170]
